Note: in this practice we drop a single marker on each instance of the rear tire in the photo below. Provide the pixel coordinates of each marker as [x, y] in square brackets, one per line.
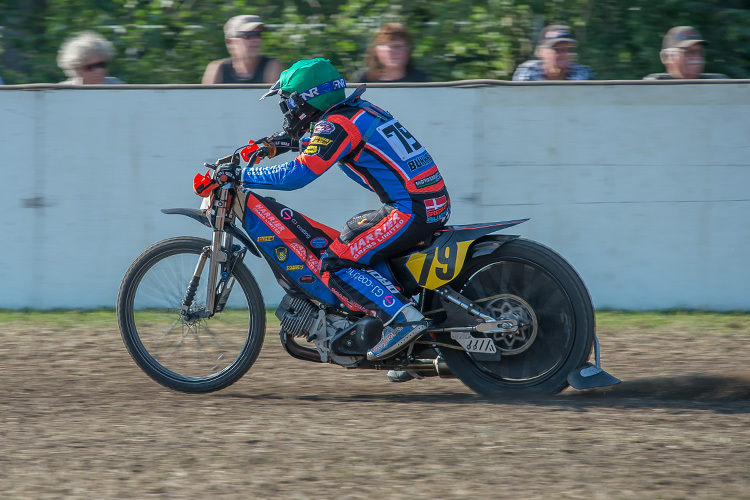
[531, 283]
[197, 356]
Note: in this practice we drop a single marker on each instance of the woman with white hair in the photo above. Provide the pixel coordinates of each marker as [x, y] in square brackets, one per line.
[85, 58]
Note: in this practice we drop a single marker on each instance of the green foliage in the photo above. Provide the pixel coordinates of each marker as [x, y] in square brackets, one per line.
[171, 41]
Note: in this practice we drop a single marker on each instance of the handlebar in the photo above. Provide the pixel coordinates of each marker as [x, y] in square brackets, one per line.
[252, 153]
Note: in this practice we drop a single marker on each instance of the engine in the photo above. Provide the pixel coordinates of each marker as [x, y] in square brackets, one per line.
[339, 340]
[297, 316]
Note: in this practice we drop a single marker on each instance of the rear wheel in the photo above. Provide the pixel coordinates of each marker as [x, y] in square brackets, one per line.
[190, 354]
[531, 284]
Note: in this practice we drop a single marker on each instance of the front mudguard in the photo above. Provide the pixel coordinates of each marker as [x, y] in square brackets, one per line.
[200, 216]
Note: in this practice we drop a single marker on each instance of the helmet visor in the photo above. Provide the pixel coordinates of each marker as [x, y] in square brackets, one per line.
[275, 89]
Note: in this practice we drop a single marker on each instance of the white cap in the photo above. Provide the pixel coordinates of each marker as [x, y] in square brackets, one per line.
[241, 24]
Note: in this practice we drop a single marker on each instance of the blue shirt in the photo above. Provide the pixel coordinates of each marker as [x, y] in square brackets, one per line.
[534, 71]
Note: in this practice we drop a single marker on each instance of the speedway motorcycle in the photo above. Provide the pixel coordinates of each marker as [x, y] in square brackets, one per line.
[506, 315]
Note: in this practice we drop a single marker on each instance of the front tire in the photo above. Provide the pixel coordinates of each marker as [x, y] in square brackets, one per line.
[199, 355]
[528, 282]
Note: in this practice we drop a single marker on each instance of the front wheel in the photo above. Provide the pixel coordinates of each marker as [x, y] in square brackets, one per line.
[531, 284]
[188, 353]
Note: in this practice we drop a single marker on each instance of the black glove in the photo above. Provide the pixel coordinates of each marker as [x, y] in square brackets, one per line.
[228, 173]
[278, 143]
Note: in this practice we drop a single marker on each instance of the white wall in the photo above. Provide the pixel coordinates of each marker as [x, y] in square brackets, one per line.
[645, 189]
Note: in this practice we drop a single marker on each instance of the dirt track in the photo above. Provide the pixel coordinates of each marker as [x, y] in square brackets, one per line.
[79, 420]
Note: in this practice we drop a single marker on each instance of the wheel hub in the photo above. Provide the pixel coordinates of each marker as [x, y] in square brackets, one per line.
[513, 310]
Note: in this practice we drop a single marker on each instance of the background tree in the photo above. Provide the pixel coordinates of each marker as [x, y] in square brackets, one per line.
[171, 41]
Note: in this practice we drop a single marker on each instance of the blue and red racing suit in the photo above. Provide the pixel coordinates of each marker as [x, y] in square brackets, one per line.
[376, 151]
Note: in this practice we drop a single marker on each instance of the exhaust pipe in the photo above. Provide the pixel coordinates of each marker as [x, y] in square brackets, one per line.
[422, 368]
[297, 351]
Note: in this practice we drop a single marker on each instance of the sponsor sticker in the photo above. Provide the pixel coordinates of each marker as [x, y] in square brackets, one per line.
[383, 280]
[306, 279]
[311, 150]
[349, 303]
[389, 301]
[319, 243]
[261, 239]
[295, 267]
[286, 213]
[281, 253]
[321, 141]
[387, 228]
[428, 181]
[269, 219]
[298, 248]
[323, 128]
[439, 215]
[420, 161]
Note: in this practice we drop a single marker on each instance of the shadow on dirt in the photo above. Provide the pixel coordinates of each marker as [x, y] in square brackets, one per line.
[685, 389]
[726, 394]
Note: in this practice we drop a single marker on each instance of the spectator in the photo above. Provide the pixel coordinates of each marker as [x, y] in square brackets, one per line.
[556, 50]
[85, 58]
[683, 54]
[389, 57]
[243, 36]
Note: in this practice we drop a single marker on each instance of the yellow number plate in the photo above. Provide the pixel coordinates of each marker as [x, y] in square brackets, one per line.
[438, 267]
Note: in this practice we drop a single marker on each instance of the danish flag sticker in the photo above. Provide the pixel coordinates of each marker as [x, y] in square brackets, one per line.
[435, 203]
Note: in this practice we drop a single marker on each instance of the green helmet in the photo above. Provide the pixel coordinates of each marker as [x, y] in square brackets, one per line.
[307, 89]
[316, 81]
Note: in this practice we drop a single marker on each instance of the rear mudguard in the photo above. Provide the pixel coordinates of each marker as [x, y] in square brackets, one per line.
[487, 245]
[200, 216]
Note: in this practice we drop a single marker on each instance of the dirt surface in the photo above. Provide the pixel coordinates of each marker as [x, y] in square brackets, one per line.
[80, 420]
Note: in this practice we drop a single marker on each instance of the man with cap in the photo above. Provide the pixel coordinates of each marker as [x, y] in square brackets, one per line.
[556, 50]
[683, 55]
[242, 34]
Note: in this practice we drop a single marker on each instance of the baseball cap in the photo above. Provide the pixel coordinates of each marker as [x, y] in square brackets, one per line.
[317, 81]
[554, 34]
[241, 24]
[681, 37]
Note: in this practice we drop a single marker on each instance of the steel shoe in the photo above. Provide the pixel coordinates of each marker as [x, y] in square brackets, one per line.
[399, 376]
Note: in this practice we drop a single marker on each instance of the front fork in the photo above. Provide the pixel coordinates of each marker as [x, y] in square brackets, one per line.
[221, 257]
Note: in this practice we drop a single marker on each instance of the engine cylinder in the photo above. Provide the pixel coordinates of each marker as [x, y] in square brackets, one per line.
[297, 316]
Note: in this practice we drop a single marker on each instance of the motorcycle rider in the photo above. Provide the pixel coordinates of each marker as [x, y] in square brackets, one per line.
[374, 149]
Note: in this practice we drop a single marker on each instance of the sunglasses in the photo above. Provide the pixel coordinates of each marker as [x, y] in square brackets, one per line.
[250, 35]
[96, 65]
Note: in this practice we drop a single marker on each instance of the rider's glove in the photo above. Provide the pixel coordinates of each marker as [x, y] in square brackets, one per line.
[303, 143]
[278, 143]
[228, 173]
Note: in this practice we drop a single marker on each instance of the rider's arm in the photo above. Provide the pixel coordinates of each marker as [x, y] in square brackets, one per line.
[286, 176]
[330, 142]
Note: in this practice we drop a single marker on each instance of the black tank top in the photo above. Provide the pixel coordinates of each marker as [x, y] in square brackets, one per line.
[228, 74]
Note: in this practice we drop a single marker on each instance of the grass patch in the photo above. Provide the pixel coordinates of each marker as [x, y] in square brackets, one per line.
[606, 320]
[71, 318]
[673, 320]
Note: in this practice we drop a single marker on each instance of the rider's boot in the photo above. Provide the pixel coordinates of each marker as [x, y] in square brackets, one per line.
[396, 336]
